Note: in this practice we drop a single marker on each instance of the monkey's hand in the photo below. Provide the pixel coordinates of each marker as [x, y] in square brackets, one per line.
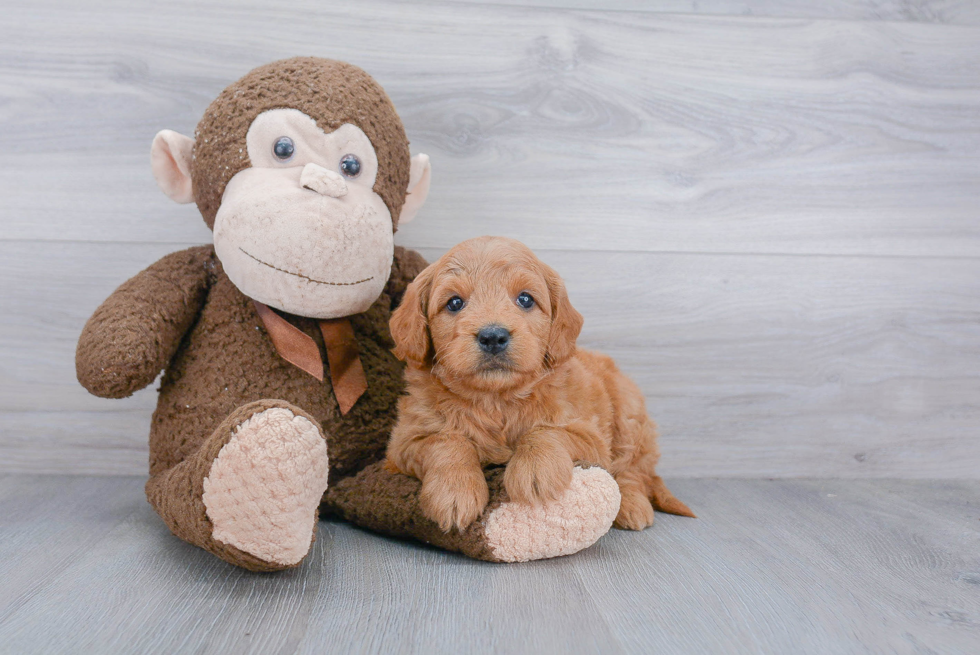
[133, 335]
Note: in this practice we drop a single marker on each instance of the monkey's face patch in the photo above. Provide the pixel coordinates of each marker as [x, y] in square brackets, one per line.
[303, 230]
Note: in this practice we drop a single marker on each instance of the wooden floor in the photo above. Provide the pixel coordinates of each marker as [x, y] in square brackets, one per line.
[818, 566]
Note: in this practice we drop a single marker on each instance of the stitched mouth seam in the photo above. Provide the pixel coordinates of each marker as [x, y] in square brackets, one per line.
[333, 284]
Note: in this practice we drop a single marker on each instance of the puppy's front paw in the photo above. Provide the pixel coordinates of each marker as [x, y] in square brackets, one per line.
[454, 498]
[537, 474]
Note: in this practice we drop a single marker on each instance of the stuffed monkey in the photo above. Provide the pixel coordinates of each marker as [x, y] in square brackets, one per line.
[279, 386]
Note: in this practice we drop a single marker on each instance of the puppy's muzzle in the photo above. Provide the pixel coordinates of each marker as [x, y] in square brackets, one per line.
[493, 339]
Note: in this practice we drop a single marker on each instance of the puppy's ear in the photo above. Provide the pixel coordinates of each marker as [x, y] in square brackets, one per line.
[566, 322]
[409, 323]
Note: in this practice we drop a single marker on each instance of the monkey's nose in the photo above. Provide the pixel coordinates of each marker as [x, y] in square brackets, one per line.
[325, 182]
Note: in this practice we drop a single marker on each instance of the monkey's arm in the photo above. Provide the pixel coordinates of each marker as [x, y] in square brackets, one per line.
[133, 335]
[405, 265]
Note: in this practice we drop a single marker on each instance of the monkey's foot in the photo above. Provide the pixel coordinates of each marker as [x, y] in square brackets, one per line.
[517, 532]
[380, 499]
[262, 491]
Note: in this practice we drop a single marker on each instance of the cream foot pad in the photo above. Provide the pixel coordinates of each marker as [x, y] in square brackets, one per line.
[517, 533]
[263, 490]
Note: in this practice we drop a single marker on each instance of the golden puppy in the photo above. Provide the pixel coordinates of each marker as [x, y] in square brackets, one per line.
[494, 377]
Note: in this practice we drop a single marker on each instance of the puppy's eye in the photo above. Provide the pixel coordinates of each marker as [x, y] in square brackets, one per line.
[455, 304]
[283, 148]
[525, 300]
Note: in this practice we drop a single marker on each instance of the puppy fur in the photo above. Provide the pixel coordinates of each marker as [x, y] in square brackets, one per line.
[540, 406]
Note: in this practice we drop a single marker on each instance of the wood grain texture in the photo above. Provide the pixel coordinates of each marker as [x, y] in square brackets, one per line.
[769, 567]
[47, 524]
[954, 12]
[598, 130]
[753, 366]
[771, 220]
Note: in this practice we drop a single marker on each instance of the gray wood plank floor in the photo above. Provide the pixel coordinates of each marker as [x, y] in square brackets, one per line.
[809, 566]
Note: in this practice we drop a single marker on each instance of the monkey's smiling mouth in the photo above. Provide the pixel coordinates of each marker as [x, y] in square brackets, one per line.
[300, 275]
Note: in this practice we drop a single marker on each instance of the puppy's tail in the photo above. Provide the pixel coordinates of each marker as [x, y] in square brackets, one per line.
[664, 501]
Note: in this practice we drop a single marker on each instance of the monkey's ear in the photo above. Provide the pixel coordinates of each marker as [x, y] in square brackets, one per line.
[566, 322]
[409, 323]
[418, 188]
[170, 158]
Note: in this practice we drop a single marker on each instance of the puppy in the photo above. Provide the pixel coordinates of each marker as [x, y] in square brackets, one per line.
[494, 377]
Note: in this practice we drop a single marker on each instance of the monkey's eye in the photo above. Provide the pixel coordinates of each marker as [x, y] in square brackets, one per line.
[525, 300]
[350, 165]
[455, 304]
[284, 148]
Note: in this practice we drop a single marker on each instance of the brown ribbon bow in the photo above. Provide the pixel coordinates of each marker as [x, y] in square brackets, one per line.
[299, 349]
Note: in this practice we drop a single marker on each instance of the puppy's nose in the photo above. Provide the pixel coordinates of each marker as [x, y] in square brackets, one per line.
[325, 182]
[493, 339]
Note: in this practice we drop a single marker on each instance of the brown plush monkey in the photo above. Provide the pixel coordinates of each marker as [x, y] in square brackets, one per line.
[279, 384]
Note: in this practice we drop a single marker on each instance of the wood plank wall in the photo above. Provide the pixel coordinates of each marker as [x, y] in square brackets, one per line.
[769, 212]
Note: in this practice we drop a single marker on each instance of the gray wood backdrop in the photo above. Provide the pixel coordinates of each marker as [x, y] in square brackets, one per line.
[769, 212]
